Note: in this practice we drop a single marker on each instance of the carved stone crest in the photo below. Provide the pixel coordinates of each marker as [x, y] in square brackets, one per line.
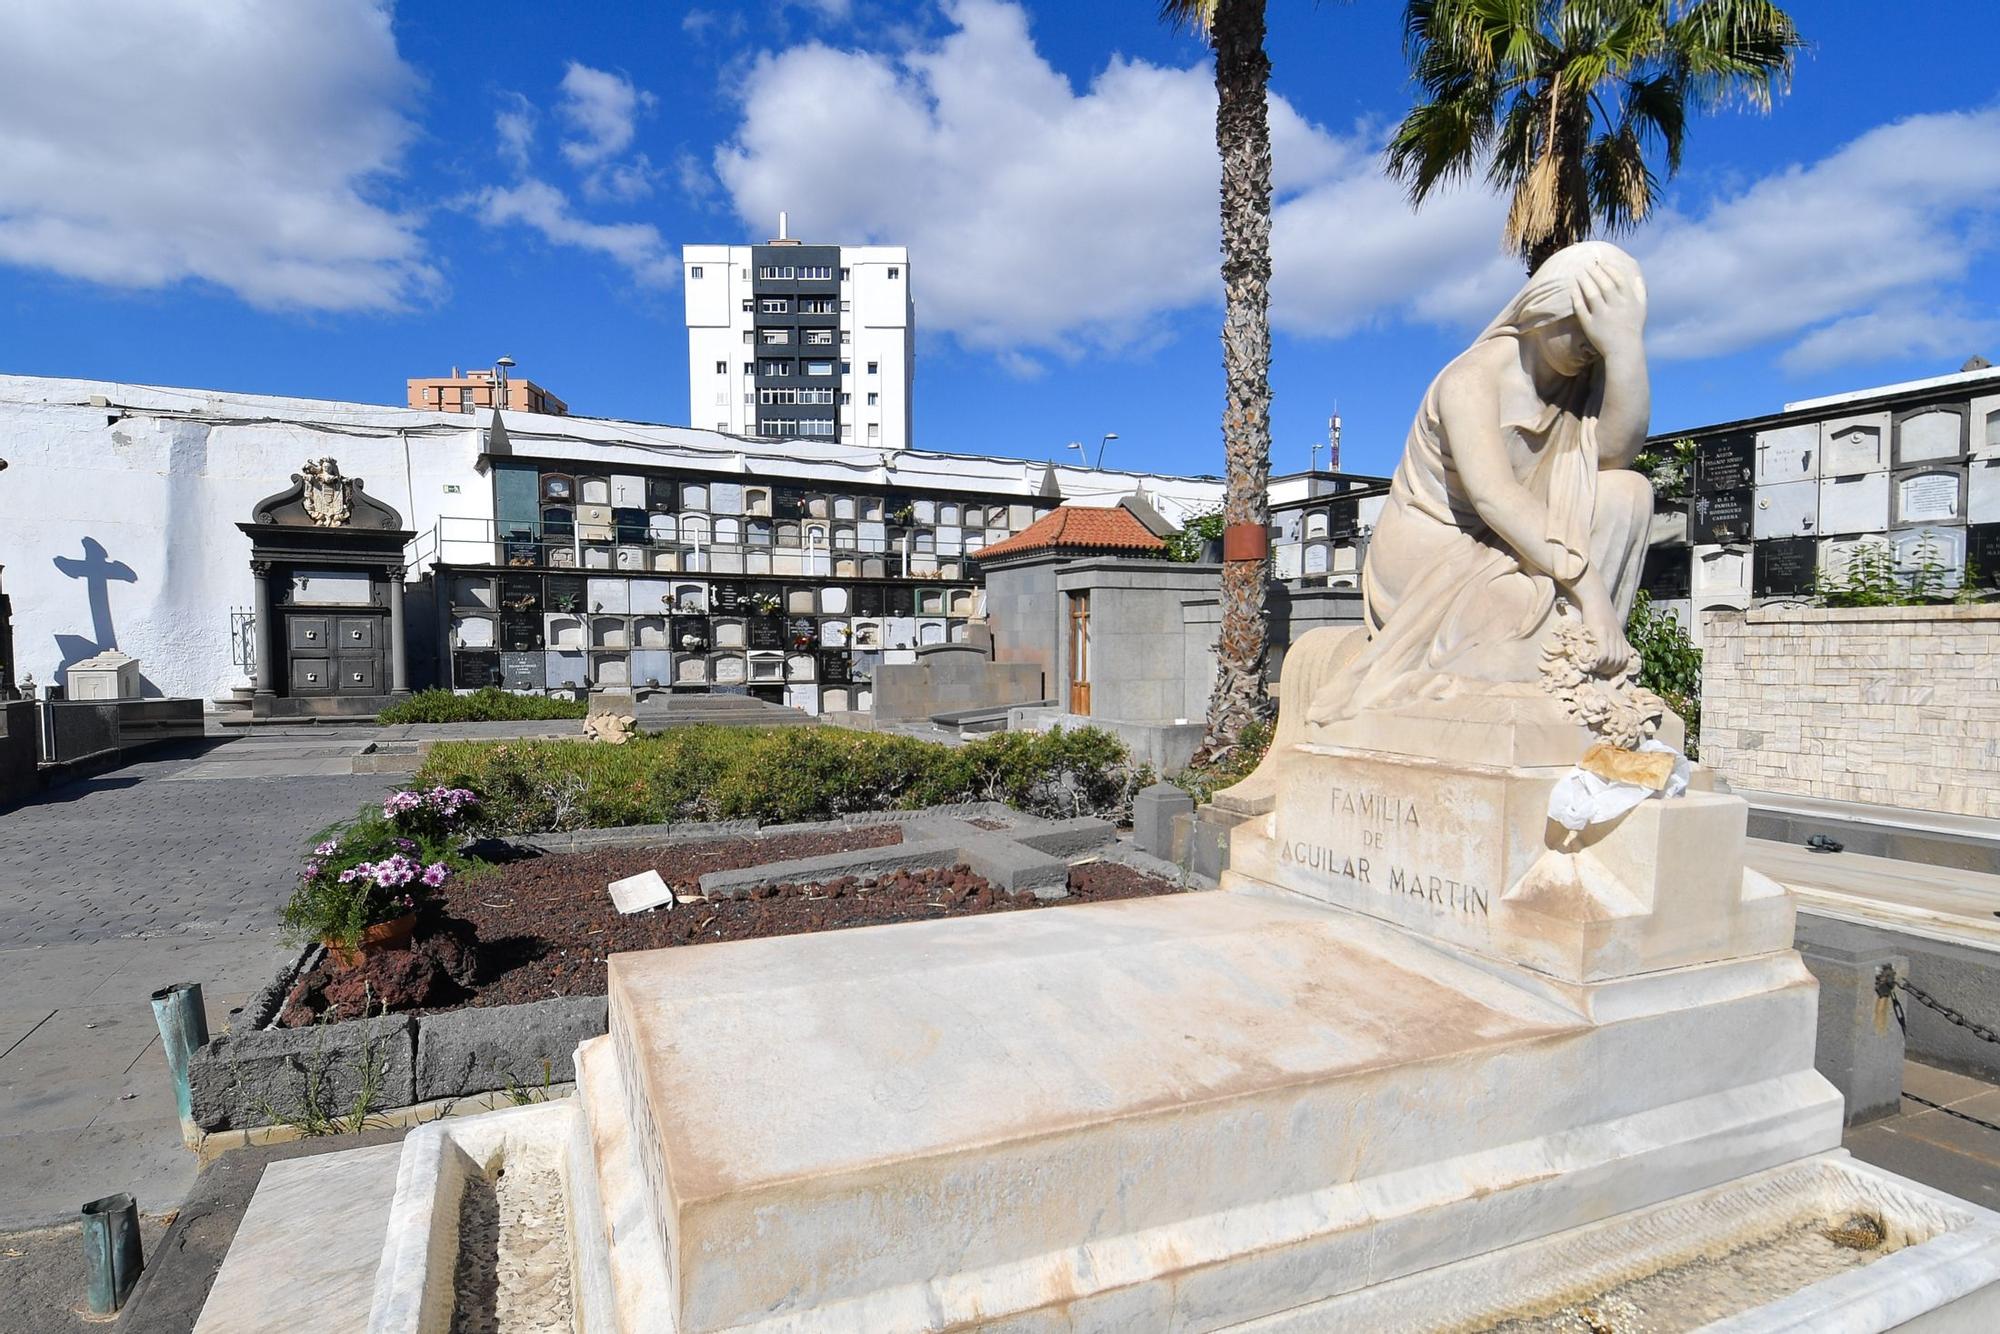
[328, 497]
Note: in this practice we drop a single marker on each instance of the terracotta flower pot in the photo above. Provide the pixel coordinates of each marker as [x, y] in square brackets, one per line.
[390, 935]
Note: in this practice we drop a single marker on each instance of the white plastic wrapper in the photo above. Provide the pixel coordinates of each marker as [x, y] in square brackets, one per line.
[1581, 799]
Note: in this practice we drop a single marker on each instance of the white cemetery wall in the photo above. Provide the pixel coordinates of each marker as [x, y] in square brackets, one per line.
[1890, 705]
[120, 521]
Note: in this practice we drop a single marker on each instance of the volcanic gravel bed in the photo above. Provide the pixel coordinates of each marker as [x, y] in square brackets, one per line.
[546, 924]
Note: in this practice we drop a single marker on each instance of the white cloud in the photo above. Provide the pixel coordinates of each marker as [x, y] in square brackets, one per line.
[536, 204]
[148, 142]
[1046, 217]
[515, 124]
[1862, 240]
[601, 109]
[1070, 217]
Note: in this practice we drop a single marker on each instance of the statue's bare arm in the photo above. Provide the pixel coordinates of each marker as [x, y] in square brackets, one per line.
[1469, 412]
[1611, 311]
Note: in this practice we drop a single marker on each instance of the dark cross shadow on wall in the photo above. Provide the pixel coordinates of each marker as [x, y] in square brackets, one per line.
[98, 572]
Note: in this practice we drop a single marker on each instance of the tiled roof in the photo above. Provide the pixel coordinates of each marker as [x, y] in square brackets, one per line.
[1073, 527]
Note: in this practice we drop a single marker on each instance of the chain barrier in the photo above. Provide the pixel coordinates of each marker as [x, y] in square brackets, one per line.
[1949, 1111]
[1930, 1002]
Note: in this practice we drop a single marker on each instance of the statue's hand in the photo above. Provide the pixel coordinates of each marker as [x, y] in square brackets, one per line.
[1614, 651]
[1611, 310]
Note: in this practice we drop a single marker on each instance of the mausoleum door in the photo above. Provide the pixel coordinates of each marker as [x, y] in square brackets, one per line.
[336, 652]
[1079, 653]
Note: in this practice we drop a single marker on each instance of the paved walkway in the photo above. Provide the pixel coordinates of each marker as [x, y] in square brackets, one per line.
[170, 870]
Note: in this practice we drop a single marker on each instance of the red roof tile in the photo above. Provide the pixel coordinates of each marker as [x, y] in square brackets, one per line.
[1074, 527]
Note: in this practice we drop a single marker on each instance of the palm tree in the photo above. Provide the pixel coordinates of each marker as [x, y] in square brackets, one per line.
[1235, 29]
[1561, 101]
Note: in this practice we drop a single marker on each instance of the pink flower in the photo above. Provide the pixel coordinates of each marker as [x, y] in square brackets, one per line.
[328, 848]
[436, 874]
[353, 873]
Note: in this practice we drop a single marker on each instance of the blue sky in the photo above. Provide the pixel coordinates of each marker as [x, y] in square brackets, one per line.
[322, 197]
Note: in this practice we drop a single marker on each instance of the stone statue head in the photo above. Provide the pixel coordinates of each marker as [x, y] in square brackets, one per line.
[1544, 310]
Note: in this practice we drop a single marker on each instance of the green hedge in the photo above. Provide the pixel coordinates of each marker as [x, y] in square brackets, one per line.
[481, 706]
[779, 775]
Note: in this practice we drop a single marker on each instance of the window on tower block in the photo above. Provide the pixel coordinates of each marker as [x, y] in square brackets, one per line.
[722, 368]
[873, 399]
[819, 368]
[819, 338]
[895, 273]
[874, 368]
[774, 305]
[774, 336]
[694, 271]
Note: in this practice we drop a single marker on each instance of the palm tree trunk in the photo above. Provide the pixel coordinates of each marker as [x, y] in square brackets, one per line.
[1243, 139]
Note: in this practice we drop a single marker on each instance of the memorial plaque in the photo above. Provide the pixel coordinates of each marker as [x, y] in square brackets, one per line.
[834, 667]
[765, 632]
[900, 600]
[1667, 572]
[1727, 464]
[1927, 497]
[663, 495]
[802, 630]
[1785, 567]
[1343, 519]
[1982, 554]
[728, 596]
[1723, 516]
[688, 634]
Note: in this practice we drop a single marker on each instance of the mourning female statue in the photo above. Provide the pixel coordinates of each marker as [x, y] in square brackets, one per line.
[1514, 529]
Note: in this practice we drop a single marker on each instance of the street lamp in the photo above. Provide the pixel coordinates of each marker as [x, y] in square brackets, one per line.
[1082, 459]
[1109, 436]
[500, 369]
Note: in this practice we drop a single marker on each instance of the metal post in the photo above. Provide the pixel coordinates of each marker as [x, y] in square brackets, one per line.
[183, 1029]
[111, 1254]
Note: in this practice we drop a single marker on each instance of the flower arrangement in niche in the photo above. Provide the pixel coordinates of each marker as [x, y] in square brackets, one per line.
[380, 867]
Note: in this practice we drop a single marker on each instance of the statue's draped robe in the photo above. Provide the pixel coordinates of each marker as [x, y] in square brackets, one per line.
[1445, 599]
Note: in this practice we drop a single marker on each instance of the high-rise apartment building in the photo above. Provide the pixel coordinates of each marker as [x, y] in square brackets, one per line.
[797, 341]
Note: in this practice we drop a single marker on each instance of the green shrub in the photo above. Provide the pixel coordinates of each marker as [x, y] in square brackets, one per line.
[780, 775]
[1204, 781]
[481, 706]
[1669, 663]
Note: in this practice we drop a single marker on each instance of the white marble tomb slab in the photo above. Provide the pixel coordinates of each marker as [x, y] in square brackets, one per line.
[1929, 495]
[1930, 434]
[1788, 454]
[1854, 444]
[637, 893]
[1985, 426]
[964, 1172]
[1982, 503]
[1786, 509]
[1854, 504]
[321, 1224]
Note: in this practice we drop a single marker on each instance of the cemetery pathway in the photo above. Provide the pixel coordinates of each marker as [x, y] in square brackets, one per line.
[173, 869]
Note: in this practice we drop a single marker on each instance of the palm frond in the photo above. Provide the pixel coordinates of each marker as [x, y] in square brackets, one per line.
[1195, 16]
[1622, 185]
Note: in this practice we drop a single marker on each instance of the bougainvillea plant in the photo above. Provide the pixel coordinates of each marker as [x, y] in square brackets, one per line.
[383, 864]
